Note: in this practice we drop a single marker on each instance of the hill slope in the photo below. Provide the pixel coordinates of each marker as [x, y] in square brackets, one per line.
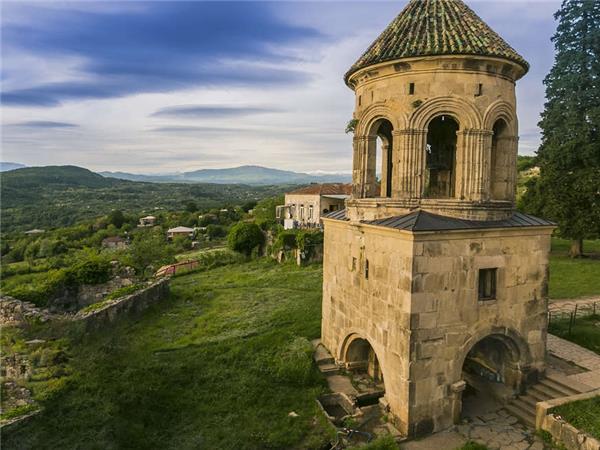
[254, 175]
[42, 197]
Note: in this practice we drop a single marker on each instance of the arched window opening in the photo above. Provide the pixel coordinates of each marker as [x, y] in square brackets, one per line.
[379, 161]
[491, 371]
[500, 162]
[441, 157]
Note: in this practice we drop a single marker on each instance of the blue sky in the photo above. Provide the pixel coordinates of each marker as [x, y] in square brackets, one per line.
[154, 87]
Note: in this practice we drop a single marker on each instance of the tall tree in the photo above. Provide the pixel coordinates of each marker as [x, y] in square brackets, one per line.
[569, 157]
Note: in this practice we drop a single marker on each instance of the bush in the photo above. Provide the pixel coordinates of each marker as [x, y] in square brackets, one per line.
[92, 271]
[215, 231]
[41, 288]
[286, 240]
[244, 237]
[307, 240]
[386, 442]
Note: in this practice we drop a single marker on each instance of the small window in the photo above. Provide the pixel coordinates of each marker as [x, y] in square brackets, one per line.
[353, 264]
[359, 100]
[310, 212]
[301, 212]
[411, 89]
[487, 284]
[479, 90]
[367, 269]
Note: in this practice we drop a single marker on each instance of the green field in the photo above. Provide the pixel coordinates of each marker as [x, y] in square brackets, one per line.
[220, 365]
[583, 415]
[571, 278]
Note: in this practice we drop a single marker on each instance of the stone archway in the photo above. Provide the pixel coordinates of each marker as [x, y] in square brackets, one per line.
[493, 371]
[359, 356]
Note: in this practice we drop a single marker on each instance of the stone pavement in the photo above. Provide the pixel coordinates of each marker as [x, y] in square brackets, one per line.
[568, 305]
[576, 354]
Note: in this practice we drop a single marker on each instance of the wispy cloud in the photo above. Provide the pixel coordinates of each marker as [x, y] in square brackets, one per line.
[164, 47]
[212, 111]
[44, 124]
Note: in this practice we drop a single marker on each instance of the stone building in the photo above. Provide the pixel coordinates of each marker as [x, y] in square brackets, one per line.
[304, 207]
[432, 281]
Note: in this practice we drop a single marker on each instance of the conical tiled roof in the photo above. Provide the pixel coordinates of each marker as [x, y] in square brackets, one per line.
[436, 27]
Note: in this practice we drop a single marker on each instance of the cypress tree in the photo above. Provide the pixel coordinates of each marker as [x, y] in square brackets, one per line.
[569, 156]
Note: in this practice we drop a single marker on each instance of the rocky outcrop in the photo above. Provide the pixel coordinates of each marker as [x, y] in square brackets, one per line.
[17, 312]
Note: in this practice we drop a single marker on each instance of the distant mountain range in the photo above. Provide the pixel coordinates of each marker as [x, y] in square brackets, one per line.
[6, 166]
[253, 175]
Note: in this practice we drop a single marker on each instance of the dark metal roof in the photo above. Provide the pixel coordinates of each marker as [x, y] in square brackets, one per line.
[436, 27]
[425, 221]
[337, 215]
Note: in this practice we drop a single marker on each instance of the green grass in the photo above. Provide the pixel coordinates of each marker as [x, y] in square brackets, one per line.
[472, 446]
[583, 415]
[572, 278]
[585, 331]
[219, 366]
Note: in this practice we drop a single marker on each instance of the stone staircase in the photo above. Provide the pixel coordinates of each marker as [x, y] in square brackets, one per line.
[553, 386]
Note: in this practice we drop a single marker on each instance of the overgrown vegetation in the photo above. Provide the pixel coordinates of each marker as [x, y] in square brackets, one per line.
[583, 415]
[221, 365]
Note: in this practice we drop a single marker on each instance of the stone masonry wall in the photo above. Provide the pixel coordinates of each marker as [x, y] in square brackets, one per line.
[419, 308]
[123, 306]
[377, 308]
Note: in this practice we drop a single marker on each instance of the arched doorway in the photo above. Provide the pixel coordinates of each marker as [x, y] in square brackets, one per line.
[360, 357]
[440, 162]
[500, 161]
[380, 159]
[492, 372]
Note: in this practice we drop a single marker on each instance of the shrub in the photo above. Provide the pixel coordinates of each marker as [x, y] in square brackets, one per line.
[386, 442]
[286, 240]
[125, 290]
[307, 240]
[215, 231]
[244, 237]
[92, 271]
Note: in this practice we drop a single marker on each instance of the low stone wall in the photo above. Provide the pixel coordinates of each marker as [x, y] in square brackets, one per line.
[561, 431]
[128, 305]
[17, 312]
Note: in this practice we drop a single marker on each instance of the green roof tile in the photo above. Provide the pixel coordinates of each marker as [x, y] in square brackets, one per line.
[436, 27]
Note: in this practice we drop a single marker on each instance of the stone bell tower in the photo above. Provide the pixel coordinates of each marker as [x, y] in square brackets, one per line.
[432, 280]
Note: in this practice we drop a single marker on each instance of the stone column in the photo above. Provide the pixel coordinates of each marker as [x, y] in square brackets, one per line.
[369, 166]
[385, 160]
[473, 150]
[411, 161]
[357, 163]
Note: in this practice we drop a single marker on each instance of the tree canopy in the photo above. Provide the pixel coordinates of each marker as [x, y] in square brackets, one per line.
[568, 189]
[244, 237]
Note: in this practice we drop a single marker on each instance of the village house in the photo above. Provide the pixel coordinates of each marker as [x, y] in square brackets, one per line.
[432, 281]
[114, 242]
[34, 232]
[304, 207]
[180, 231]
[148, 221]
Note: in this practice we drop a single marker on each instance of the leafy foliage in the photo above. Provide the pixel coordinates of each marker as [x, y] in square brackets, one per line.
[583, 415]
[265, 209]
[569, 157]
[244, 237]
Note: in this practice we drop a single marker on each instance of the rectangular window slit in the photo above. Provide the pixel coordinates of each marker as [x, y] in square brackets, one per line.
[487, 284]
[411, 89]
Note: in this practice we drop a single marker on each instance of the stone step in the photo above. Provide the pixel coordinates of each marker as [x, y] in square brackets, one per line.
[329, 369]
[522, 411]
[548, 391]
[529, 399]
[322, 356]
[570, 387]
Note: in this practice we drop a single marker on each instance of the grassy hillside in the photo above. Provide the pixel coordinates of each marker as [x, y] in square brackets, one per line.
[44, 197]
[218, 366]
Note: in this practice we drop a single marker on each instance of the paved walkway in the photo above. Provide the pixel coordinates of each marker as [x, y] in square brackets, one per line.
[568, 305]
[576, 354]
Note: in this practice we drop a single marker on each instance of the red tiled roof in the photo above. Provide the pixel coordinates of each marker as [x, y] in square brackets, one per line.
[324, 189]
